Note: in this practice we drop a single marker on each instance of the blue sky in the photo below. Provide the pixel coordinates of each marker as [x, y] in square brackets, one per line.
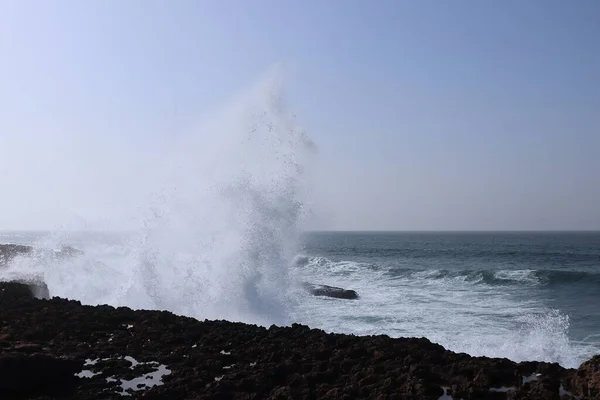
[427, 114]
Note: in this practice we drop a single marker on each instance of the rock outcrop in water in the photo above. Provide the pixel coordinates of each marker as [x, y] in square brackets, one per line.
[330, 291]
[60, 349]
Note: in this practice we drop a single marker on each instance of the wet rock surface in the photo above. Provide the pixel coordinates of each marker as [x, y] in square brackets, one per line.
[587, 379]
[61, 349]
[330, 291]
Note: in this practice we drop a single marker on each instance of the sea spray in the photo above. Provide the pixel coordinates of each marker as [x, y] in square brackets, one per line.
[218, 232]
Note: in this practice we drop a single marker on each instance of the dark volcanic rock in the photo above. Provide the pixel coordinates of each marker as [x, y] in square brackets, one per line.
[330, 291]
[11, 292]
[119, 351]
[24, 289]
[25, 375]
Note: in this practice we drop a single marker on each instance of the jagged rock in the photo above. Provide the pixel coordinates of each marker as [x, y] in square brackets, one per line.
[330, 291]
[586, 381]
[27, 289]
[14, 291]
[115, 349]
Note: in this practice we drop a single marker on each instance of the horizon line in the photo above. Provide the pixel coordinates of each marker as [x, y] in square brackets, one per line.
[348, 230]
[453, 230]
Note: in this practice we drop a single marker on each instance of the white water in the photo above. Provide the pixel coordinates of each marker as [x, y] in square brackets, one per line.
[218, 231]
[461, 315]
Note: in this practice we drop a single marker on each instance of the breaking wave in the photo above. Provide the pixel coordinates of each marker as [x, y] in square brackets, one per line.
[490, 313]
[489, 276]
[218, 232]
[505, 277]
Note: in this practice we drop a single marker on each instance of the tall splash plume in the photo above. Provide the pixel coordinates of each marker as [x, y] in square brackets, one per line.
[220, 230]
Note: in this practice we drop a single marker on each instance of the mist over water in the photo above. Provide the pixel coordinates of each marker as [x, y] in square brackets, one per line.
[218, 228]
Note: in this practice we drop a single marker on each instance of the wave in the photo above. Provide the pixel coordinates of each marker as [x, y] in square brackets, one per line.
[494, 254]
[218, 232]
[492, 277]
[545, 277]
[465, 310]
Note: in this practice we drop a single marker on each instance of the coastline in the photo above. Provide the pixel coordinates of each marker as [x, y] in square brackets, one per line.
[59, 348]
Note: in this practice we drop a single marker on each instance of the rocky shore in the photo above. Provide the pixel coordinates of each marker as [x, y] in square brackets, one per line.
[61, 349]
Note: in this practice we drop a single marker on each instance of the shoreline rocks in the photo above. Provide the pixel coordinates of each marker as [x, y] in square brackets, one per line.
[85, 352]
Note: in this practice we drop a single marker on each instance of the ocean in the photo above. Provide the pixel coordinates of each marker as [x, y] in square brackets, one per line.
[522, 296]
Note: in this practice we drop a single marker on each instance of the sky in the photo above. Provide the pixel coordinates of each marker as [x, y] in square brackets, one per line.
[427, 115]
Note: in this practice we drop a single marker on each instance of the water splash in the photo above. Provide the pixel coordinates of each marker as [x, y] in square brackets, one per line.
[219, 230]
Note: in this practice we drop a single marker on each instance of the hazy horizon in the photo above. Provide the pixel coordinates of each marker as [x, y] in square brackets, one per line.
[425, 116]
[329, 231]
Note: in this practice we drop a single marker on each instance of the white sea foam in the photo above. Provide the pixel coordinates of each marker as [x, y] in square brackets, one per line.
[445, 396]
[462, 315]
[86, 373]
[521, 276]
[563, 393]
[531, 378]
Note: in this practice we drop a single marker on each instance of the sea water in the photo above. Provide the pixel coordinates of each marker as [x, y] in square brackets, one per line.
[523, 296]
